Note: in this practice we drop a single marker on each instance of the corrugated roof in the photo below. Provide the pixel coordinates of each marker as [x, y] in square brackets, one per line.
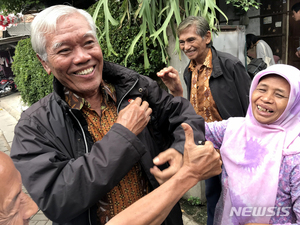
[11, 40]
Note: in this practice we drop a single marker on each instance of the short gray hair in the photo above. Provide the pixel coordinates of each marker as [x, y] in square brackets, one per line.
[45, 23]
[199, 22]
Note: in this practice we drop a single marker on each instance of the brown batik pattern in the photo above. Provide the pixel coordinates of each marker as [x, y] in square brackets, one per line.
[134, 185]
[201, 97]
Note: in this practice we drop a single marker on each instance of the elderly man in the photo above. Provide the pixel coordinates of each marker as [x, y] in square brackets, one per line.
[85, 150]
[217, 85]
[16, 207]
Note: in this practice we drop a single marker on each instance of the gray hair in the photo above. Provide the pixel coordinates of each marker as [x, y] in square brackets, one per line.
[45, 23]
[199, 22]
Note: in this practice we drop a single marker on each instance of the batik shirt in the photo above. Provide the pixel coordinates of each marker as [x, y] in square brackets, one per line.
[134, 185]
[201, 97]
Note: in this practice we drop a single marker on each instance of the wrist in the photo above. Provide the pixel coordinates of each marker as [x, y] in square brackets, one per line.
[187, 177]
[177, 93]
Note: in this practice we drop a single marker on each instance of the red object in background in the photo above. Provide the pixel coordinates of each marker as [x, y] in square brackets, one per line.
[9, 20]
[7, 85]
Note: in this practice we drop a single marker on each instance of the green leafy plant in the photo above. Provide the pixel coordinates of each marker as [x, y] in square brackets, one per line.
[30, 77]
[121, 39]
[153, 17]
[15, 6]
[244, 4]
[194, 201]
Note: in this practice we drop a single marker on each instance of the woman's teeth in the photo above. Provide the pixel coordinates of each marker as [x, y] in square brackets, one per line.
[263, 109]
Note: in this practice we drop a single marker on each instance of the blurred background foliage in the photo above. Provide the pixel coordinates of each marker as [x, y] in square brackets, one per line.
[30, 77]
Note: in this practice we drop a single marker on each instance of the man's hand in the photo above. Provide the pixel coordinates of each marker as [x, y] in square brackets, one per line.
[174, 158]
[135, 116]
[171, 79]
[201, 161]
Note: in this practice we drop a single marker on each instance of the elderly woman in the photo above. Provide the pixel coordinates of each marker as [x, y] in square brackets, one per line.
[260, 153]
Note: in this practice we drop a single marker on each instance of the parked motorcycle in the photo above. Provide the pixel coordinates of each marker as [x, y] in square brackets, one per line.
[7, 86]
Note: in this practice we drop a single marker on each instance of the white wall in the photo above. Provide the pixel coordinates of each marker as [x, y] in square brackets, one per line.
[232, 42]
[252, 27]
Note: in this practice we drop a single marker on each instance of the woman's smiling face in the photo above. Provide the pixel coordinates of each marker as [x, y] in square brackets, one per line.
[270, 98]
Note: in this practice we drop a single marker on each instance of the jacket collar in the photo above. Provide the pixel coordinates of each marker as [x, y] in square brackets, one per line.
[217, 70]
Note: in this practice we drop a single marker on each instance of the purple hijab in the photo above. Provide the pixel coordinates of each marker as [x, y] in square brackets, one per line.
[252, 154]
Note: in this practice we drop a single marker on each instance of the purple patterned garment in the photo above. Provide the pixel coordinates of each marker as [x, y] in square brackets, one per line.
[288, 193]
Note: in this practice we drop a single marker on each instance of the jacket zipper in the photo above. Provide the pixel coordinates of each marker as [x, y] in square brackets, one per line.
[84, 137]
[86, 150]
[118, 108]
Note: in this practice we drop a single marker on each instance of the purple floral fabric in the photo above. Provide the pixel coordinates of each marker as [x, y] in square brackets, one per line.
[288, 192]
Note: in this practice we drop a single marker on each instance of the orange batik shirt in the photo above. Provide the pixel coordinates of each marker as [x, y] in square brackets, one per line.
[201, 97]
[134, 185]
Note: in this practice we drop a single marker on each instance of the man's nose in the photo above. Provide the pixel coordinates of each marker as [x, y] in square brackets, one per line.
[81, 56]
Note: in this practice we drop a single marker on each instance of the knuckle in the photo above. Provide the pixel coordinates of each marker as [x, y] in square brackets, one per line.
[188, 145]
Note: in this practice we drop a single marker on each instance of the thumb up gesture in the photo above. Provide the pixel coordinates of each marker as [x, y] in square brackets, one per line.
[202, 161]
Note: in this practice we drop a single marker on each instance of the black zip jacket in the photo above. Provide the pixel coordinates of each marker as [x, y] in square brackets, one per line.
[229, 84]
[66, 173]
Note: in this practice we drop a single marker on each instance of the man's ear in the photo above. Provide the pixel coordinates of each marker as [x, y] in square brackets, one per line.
[45, 65]
[208, 37]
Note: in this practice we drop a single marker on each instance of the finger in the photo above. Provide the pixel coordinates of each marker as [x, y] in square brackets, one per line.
[162, 175]
[166, 174]
[148, 112]
[172, 75]
[162, 71]
[162, 158]
[137, 101]
[156, 172]
[145, 105]
[189, 134]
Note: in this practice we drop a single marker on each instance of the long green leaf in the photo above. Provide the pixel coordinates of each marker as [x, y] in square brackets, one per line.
[163, 27]
[131, 49]
[146, 60]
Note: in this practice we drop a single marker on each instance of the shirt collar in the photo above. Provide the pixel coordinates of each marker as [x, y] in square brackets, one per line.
[77, 102]
[207, 62]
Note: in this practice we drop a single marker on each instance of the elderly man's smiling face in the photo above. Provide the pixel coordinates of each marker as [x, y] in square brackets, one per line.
[16, 207]
[74, 55]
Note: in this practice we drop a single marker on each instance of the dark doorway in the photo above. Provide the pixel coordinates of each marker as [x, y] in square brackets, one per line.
[294, 38]
[273, 26]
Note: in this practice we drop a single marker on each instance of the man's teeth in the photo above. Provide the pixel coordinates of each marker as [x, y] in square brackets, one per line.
[84, 72]
[263, 109]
